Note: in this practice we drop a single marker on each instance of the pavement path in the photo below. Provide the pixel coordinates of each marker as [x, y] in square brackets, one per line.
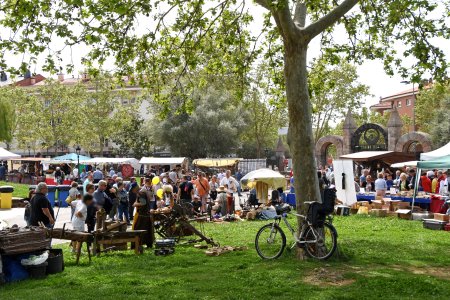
[9, 217]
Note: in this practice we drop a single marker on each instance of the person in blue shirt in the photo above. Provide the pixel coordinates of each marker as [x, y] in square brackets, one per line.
[389, 181]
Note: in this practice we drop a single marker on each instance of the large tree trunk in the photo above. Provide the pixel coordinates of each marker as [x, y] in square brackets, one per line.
[300, 136]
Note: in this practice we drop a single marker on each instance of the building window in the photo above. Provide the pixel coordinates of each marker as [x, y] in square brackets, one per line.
[399, 103]
[133, 100]
[408, 102]
[47, 103]
[124, 101]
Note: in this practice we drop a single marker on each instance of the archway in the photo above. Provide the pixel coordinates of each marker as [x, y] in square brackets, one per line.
[414, 142]
[369, 137]
[325, 144]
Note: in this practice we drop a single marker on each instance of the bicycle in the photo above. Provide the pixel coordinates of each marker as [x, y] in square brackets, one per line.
[317, 236]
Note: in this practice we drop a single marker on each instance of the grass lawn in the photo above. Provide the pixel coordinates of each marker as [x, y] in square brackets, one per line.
[20, 190]
[379, 258]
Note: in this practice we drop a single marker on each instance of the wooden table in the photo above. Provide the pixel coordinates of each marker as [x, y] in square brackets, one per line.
[115, 237]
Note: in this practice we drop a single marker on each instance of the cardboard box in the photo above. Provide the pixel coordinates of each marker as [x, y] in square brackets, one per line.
[379, 212]
[441, 217]
[404, 214]
[392, 214]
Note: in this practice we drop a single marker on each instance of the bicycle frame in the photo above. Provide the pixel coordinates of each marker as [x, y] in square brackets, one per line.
[298, 238]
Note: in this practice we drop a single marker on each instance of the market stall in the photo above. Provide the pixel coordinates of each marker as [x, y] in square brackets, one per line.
[168, 163]
[128, 164]
[386, 157]
[437, 159]
[27, 170]
[216, 162]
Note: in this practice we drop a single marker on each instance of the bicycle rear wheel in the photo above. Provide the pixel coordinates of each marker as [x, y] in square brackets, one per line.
[270, 241]
[321, 242]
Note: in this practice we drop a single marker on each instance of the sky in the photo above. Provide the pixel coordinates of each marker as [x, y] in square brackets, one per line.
[371, 73]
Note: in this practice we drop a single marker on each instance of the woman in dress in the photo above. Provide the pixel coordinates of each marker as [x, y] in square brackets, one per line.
[142, 219]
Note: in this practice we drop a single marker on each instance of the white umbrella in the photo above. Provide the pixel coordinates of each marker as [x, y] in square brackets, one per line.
[270, 177]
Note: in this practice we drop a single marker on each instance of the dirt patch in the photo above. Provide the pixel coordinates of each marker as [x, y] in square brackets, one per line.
[439, 272]
[327, 277]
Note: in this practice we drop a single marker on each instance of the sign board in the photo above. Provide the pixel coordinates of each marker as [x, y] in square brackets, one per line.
[345, 184]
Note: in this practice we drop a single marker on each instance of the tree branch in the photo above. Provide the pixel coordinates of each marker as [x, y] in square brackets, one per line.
[263, 3]
[300, 14]
[332, 17]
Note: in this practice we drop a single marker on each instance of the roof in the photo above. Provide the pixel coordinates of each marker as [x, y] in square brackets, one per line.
[389, 157]
[408, 92]
[442, 162]
[27, 81]
[381, 106]
[32, 159]
[161, 161]
[112, 160]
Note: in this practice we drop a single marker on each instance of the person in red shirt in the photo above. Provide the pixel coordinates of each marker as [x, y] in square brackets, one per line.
[425, 183]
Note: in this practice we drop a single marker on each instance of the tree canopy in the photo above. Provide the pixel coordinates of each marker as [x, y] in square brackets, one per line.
[163, 41]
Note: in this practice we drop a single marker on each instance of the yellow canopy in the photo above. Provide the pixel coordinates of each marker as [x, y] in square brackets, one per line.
[216, 162]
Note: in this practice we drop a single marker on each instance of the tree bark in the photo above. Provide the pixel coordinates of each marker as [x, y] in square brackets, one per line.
[301, 138]
[300, 134]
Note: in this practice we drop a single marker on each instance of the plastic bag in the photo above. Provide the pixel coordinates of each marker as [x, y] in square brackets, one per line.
[35, 260]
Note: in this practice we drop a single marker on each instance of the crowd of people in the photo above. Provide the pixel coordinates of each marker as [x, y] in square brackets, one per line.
[131, 203]
[432, 181]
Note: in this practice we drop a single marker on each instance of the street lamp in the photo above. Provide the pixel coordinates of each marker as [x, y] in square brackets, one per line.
[414, 106]
[78, 150]
[29, 147]
[266, 151]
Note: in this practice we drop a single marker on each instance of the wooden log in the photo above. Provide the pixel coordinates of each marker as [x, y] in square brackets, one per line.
[71, 235]
[114, 226]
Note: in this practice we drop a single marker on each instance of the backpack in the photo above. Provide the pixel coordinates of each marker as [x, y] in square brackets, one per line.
[318, 212]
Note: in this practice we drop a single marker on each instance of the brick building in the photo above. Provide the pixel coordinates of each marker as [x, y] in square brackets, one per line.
[404, 102]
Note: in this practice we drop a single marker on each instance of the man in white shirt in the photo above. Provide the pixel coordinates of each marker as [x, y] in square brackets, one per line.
[75, 173]
[230, 182]
[444, 184]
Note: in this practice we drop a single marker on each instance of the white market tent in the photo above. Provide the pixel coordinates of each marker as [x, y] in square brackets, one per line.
[112, 160]
[162, 161]
[6, 155]
[438, 158]
[405, 164]
[435, 154]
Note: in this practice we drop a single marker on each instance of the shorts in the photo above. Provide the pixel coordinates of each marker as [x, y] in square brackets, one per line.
[204, 199]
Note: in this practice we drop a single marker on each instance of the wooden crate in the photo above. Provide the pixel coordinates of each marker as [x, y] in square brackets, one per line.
[441, 217]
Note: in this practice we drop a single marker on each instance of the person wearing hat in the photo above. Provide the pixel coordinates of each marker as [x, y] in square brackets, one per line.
[168, 196]
[222, 200]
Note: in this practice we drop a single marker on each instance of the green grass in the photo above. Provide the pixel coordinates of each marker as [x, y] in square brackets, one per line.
[379, 258]
[20, 190]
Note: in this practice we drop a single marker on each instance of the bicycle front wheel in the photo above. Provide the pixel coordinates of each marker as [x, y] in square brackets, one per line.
[321, 242]
[270, 241]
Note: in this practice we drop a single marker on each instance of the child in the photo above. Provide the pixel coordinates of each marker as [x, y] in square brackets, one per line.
[74, 194]
[122, 195]
[80, 214]
[389, 181]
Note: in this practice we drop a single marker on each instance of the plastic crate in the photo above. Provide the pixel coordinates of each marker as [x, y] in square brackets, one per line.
[434, 224]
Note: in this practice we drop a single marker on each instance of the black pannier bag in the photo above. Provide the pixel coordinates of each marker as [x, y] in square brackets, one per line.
[318, 212]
